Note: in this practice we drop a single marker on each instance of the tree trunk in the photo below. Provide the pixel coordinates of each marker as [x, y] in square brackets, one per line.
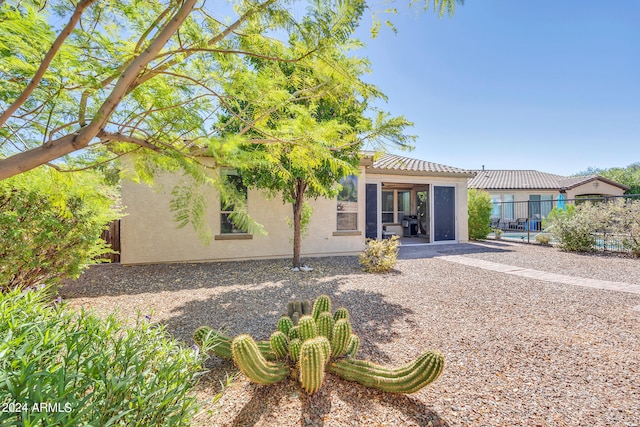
[297, 222]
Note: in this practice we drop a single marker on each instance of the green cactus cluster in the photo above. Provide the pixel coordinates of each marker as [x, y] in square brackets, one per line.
[310, 340]
[297, 309]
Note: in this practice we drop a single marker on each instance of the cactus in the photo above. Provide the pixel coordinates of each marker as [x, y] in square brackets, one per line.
[284, 325]
[306, 307]
[312, 364]
[298, 307]
[312, 341]
[279, 344]
[341, 313]
[353, 346]
[341, 336]
[265, 350]
[251, 362]
[322, 304]
[325, 346]
[295, 317]
[294, 333]
[211, 341]
[325, 324]
[307, 328]
[294, 349]
[406, 379]
[290, 308]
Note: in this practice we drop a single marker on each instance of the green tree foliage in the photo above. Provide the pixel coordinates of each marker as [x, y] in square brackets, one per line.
[91, 370]
[50, 226]
[310, 144]
[629, 176]
[480, 206]
[147, 79]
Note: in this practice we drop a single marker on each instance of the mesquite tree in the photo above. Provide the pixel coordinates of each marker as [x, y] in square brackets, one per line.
[102, 79]
[320, 136]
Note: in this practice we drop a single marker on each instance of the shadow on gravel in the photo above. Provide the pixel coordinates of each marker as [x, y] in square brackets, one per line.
[247, 297]
[254, 309]
[117, 279]
[318, 408]
[424, 251]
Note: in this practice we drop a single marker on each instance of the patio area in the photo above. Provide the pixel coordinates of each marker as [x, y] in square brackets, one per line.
[519, 350]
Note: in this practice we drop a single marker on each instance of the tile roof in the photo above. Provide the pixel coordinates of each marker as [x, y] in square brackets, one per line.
[392, 163]
[530, 180]
[575, 181]
[515, 179]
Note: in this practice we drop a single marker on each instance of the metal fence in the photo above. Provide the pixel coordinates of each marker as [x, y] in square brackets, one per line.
[522, 221]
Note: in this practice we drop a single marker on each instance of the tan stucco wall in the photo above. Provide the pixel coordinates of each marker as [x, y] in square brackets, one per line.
[149, 234]
[594, 187]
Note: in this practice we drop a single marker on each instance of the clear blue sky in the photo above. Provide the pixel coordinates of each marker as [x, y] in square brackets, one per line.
[516, 84]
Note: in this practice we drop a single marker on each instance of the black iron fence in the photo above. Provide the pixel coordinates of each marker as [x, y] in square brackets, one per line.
[523, 220]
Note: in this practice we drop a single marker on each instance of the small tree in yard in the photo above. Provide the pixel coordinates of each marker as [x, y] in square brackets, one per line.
[480, 207]
[311, 144]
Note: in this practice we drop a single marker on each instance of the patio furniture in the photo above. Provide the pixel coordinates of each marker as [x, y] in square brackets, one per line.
[518, 224]
[495, 223]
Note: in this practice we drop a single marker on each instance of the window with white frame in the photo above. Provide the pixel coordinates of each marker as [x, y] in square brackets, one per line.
[387, 206]
[347, 204]
[503, 206]
[404, 204]
[396, 204]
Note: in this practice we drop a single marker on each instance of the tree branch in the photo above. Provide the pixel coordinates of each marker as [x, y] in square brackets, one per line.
[33, 158]
[35, 81]
[115, 136]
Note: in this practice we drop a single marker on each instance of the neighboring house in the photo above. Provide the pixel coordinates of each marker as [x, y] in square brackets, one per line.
[391, 195]
[510, 191]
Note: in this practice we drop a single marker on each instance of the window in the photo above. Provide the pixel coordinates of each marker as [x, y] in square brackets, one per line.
[495, 210]
[347, 206]
[396, 204]
[226, 223]
[387, 207]
[508, 206]
[503, 206]
[546, 204]
[404, 204]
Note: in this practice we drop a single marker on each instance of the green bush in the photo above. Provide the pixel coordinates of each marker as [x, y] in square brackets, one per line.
[574, 229]
[380, 256]
[86, 370]
[543, 238]
[480, 207]
[50, 226]
[623, 221]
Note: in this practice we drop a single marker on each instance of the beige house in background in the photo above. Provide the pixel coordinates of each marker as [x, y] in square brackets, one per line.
[391, 195]
[510, 191]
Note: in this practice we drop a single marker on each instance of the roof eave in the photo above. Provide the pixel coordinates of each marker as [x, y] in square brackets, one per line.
[379, 171]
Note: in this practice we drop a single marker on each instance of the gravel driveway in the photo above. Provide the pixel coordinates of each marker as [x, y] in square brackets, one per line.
[519, 351]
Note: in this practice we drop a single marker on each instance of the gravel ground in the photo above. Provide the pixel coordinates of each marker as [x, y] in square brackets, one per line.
[520, 352]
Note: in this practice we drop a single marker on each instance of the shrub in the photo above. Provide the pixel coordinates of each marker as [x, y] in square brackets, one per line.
[480, 206]
[88, 370]
[543, 238]
[380, 256]
[623, 220]
[574, 230]
[50, 226]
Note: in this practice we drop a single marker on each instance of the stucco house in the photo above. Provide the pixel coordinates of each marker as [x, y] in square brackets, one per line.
[530, 194]
[391, 195]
